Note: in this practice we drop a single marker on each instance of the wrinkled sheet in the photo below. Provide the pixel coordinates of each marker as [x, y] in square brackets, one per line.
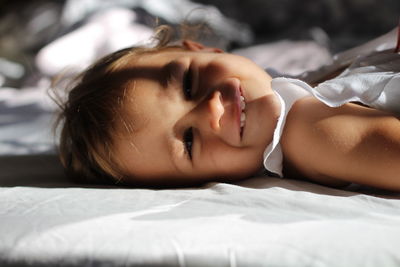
[46, 220]
[261, 222]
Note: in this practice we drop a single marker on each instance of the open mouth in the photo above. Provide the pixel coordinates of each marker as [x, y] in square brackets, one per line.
[242, 112]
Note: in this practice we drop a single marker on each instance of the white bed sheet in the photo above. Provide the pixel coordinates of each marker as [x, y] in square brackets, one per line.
[46, 220]
[261, 222]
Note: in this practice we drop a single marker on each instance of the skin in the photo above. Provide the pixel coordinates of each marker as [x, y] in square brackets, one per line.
[330, 146]
[338, 146]
[154, 153]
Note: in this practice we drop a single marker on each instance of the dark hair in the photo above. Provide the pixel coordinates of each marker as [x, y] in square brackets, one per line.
[92, 111]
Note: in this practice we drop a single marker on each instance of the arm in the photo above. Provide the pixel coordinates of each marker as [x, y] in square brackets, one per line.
[337, 146]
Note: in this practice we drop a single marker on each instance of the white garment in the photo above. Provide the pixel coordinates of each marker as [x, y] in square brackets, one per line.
[373, 80]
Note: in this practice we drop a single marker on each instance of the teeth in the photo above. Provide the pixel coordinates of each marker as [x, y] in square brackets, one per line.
[242, 119]
[242, 103]
[242, 115]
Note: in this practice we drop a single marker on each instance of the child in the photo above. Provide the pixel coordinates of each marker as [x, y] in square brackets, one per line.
[189, 114]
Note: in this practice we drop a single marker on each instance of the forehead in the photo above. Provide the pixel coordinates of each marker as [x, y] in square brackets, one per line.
[146, 141]
[154, 57]
[145, 87]
[147, 66]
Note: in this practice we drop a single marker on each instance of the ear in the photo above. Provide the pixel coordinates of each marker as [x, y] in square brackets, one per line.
[197, 47]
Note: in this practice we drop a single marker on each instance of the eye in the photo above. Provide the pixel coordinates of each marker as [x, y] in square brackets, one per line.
[187, 84]
[188, 141]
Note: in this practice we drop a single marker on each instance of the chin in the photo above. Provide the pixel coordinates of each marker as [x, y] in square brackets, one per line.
[242, 174]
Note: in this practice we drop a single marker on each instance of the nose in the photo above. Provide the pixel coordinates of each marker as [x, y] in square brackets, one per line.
[215, 110]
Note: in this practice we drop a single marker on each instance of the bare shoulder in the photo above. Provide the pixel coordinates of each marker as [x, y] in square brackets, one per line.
[334, 146]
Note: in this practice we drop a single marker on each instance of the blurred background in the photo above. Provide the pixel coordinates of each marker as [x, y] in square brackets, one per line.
[27, 27]
[44, 39]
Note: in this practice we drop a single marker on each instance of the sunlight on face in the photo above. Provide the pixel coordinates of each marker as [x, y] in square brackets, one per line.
[200, 116]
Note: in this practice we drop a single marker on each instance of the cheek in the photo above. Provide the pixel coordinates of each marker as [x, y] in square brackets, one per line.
[231, 66]
[211, 75]
[234, 161]
[222, 66]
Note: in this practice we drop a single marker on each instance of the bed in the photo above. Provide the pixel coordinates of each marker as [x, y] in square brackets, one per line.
[46, 220]
[261, 222]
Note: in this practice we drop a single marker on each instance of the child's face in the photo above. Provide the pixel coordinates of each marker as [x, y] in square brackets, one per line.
[185, 106]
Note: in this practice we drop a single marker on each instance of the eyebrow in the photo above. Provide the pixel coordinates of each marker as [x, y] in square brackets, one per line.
[167, 73]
